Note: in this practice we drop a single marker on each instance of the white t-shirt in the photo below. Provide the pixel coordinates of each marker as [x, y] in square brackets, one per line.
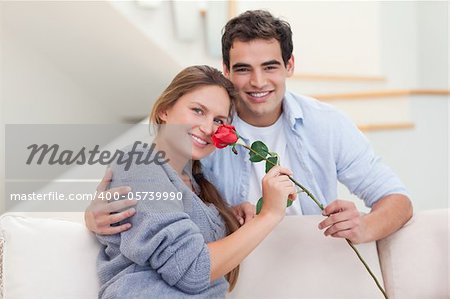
[275, 139]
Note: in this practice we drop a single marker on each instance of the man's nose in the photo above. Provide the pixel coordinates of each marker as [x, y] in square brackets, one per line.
[258, 79]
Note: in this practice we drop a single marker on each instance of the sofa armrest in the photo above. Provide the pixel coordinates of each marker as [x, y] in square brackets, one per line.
[47, 258]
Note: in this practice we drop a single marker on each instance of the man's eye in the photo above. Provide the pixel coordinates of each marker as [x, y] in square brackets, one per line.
[271, 67]
[241, 70]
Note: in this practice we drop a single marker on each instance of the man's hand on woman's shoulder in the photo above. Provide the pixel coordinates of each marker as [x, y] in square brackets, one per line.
[101, 213]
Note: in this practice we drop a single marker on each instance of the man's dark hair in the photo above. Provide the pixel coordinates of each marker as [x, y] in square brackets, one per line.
[256, 24]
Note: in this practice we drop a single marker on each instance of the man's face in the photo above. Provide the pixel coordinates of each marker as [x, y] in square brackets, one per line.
[258, 73]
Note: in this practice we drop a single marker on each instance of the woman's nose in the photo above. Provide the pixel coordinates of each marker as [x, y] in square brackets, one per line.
[207, 127]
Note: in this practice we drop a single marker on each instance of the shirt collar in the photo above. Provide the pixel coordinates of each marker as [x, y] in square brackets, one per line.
[292, 111]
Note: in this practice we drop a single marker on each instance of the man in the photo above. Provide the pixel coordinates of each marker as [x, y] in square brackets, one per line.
[319, 144]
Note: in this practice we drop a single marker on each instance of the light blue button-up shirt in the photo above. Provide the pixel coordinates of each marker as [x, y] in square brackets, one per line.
[324, 147]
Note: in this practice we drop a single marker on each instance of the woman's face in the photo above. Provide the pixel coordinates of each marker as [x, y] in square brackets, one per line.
[198, 114]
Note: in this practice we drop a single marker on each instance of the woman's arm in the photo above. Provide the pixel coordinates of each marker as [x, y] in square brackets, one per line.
[171, 244]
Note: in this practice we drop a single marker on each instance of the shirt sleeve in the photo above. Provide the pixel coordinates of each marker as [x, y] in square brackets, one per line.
[162, 235]
[358, 168]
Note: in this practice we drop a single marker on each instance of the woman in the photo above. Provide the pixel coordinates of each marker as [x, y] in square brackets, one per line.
[185, 247]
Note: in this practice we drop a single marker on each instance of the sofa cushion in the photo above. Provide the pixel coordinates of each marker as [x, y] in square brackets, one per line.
[47, 258]
[415, 259]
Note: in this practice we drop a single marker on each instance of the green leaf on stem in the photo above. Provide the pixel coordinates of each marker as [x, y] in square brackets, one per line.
[271, 162]
[259, 151]
[259, 206]
[289, 203]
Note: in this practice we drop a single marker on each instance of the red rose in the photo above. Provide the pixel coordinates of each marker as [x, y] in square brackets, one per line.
[224, 136]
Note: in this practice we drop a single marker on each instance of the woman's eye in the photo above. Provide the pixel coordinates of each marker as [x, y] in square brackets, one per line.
[219, 121]
[197, 110]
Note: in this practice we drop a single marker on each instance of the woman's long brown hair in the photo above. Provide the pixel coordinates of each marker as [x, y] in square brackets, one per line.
[186, 81]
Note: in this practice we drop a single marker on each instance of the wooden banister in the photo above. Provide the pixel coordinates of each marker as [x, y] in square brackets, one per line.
[381, 127]
[381, 94]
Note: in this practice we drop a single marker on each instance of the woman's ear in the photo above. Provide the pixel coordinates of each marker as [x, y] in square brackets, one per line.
[162, 115]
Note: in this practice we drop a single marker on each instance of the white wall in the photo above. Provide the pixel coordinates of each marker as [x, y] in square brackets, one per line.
[433, 41]
[399, 45]
[330, 37]
[36, 91]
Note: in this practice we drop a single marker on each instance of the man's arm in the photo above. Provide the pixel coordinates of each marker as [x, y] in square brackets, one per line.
[363, 173]
[100, 214]
[387, 215]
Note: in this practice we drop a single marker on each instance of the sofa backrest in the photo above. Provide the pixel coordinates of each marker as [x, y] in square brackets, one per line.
[297, 261]
[55, 258]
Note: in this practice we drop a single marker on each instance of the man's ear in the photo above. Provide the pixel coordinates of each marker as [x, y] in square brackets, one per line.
[226, 71]
[290, 66]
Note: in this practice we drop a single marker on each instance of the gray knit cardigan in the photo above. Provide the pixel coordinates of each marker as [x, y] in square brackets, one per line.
[164, 254]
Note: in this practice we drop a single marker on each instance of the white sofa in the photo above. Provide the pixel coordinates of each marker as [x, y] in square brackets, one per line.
[53, 256]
